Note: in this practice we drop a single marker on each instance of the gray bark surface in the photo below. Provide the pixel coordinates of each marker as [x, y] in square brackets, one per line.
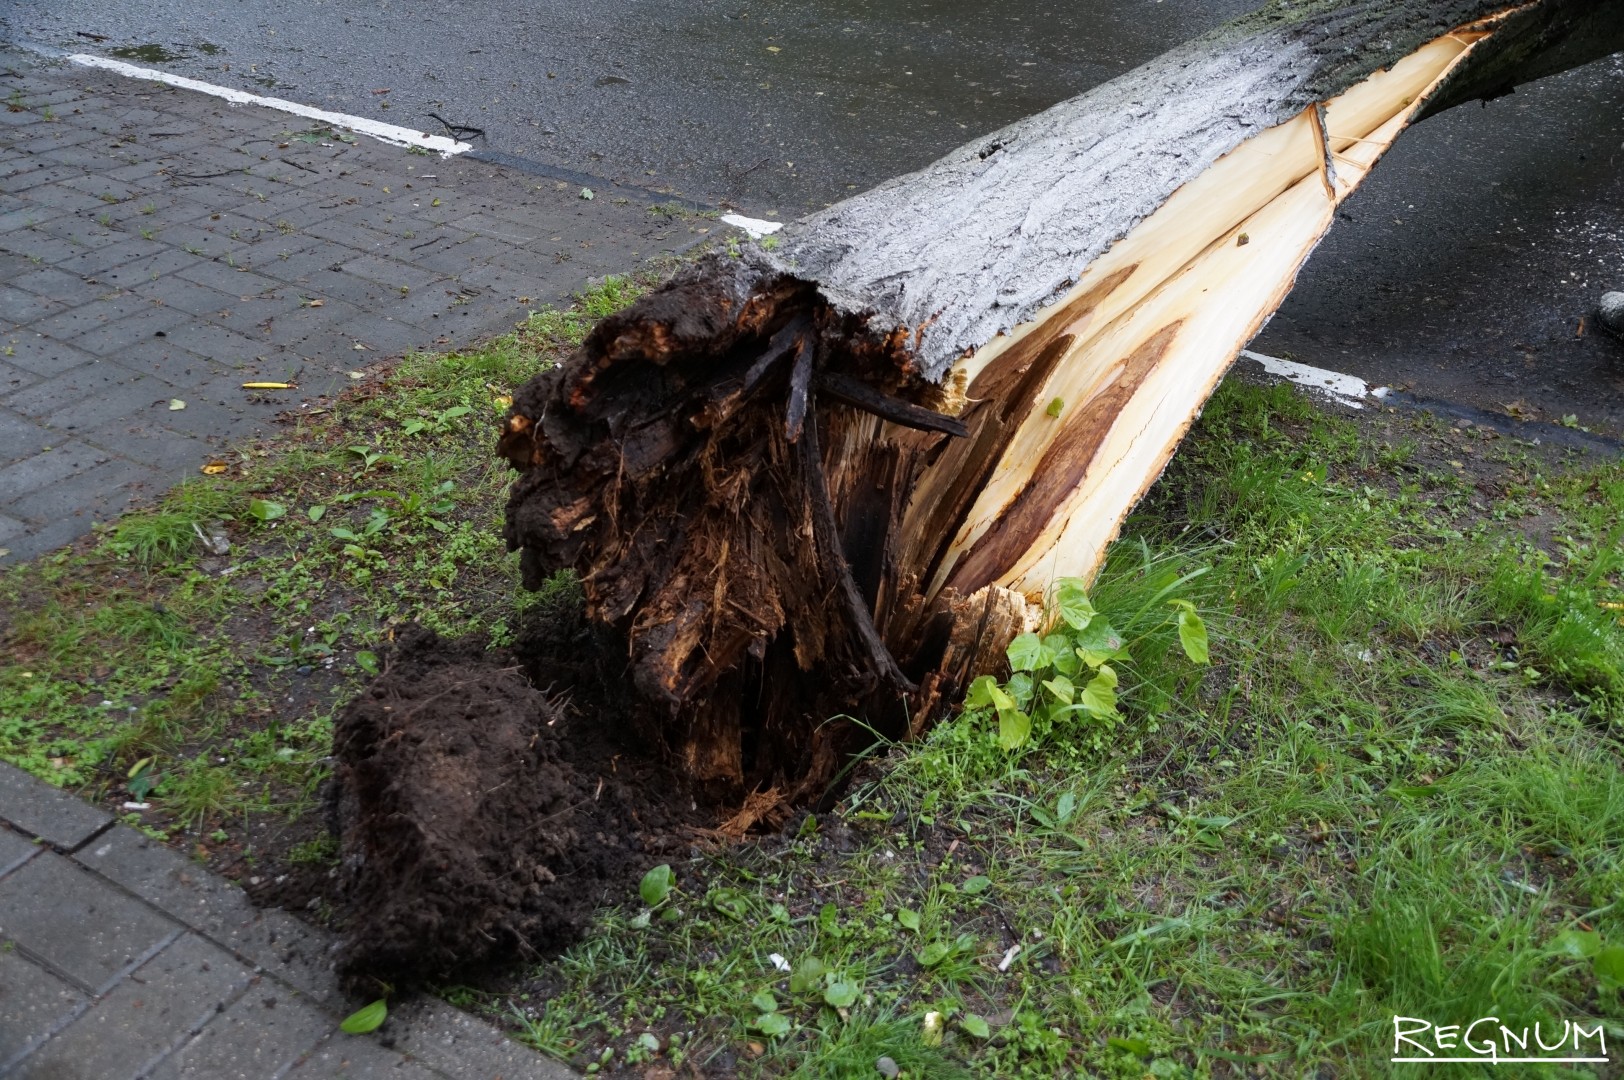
[981, 240]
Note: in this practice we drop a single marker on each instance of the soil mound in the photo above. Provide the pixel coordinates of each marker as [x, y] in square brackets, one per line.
[481, 819]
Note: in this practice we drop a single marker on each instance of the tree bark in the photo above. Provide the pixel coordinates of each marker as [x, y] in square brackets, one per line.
[834, 478]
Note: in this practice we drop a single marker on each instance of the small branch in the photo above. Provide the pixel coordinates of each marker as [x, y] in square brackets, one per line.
[860, 395]
[800, 389]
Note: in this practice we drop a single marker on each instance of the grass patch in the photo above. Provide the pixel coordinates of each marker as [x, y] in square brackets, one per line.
[1395, 788]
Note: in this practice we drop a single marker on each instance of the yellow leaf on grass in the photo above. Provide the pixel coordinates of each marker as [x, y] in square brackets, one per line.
[215, 468]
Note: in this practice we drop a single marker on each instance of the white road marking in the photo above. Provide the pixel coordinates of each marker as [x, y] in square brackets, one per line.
[756, 227]
[1350, 390]
[389, 133]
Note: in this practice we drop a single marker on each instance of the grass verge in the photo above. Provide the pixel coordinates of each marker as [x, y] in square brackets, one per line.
[1395, 789]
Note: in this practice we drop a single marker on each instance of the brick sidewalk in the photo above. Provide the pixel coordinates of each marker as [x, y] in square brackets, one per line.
[120, 959]
[158, 244]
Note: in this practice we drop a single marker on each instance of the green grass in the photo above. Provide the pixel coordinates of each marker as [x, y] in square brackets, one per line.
[1396, 788]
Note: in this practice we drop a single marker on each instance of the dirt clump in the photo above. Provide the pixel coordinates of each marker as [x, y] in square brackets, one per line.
[481, 819]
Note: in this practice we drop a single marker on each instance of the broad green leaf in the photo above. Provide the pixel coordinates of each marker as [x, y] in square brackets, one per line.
[1099, 644]
[765, 1002]
[974, 1026]
[977, 884]
[1021, 688]
[908, 918]
[1581, 944]
[265, 509]
[1065, 807]
[840, 993]
[933, 954]
[1014, 728]
[1072, 599]
[1061, 688]
[1026, 653]
[367, 661]
[316, 513]
[1608, 965]
[366, 1019]
[1067, 661]
[808, 974]
[1000, 700]
[1043, 817]
[1193, 635]
[829, 921]
[656, 885]
[1099, 696]
[772, 1024]
[980, 695]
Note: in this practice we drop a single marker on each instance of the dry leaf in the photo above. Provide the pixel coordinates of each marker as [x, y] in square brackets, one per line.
[215, 468]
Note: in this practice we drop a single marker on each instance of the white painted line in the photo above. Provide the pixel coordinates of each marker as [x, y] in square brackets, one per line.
[756, 227]
[389, 133]
[1350, 390]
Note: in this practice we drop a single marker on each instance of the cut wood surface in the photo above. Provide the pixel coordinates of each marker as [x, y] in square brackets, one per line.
[835, 478]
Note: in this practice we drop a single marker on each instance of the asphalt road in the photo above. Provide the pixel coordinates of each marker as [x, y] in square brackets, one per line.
[1463, 271]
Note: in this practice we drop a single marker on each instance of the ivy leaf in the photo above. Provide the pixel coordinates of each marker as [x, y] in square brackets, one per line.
[1072, 599]
[1580, 944]
[980, 695]
[1608, 965]
[808, 973]
[265, 510]
[656, 885]
[1027, 653]
[772, 1024]
[1014, 728]
[840, 994]
[1099, 643]
[1192, 632]
[1099, 696]
[974, 1026]
[367, 1018]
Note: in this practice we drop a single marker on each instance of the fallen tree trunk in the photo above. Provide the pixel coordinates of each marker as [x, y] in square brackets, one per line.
[837, 476]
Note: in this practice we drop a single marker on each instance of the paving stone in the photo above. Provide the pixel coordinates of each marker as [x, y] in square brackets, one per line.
[236, 281]
[110, 307]
[33, 1003]
[215, 342]
[27, 216]
[41, 538]
[33, 351]
[91, 495]
[89, 395]
[143, 1018]
[58, 285]
[385, 335]
[18, 306]
[451, 1041]
[52, 467]
[350, 1057]
[263, 1033]
[182, 295]
[15, 848]
[276, 941]
[104, 257]
[148, 269]
[13, 379]
[11, 531]
[390, 273]
[143, 325]
[49, 813]
[82, 928]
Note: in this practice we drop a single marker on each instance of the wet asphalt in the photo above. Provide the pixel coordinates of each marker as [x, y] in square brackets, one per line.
[1462, 271]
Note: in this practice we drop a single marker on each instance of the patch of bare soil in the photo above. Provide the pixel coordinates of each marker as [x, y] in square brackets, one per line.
[486, 803]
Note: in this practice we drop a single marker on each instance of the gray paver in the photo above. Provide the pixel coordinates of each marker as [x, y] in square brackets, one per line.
[274, 940]
[41, 355]
[263, 1033]
[143, 1018]
[82, 928]
[47, 812]
[15, 849]
[347, 1057]
[450, 1040]
[33, 1002]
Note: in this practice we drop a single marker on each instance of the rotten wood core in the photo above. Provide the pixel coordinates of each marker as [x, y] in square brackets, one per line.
[795, 496]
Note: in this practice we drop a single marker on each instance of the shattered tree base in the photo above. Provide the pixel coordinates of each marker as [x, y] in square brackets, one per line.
[836, 478]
